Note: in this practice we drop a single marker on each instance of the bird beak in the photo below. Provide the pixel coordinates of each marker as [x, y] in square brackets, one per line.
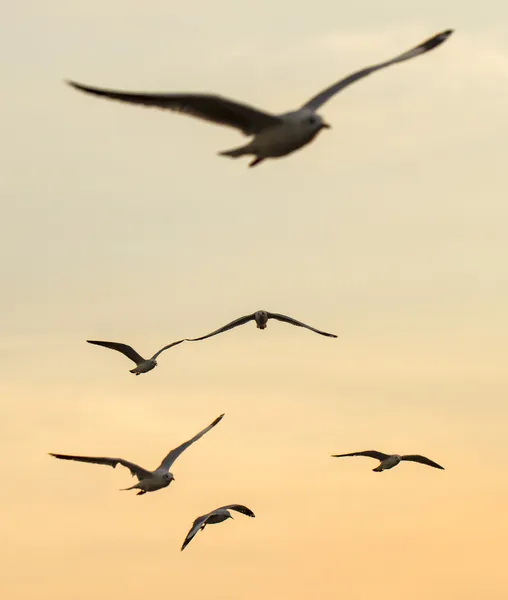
[326, 126]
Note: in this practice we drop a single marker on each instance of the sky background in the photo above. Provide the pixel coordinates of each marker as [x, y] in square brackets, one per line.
[122, 223]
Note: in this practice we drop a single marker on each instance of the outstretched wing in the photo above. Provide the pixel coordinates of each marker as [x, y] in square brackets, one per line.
[196, 526]
[422, 460]
[292, 321]
[240, 508]
[215, 109]
[135, 470]
[175, 453]
[369, 453]
[128, 351]
[166, 348]
[317, 101]
[235, 323]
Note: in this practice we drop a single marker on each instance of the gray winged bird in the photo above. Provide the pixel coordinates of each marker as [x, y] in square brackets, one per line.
[260, 317]
[273, 135]
[388, 461]
[215, 516]
[143, 365]
[148, 481]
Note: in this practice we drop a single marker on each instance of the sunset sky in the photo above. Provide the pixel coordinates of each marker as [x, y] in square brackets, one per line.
[390, 230]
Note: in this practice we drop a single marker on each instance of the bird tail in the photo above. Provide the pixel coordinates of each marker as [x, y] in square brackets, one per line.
[235, 152]
[378, 469]
[134, 487]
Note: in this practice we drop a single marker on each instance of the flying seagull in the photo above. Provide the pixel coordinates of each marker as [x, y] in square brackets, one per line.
[215, 516]
[148, 481]
[261, 317]
[143, 365]
[273, 135]
[388, 461]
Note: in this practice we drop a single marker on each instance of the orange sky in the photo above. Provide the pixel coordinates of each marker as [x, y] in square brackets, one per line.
[122, 224]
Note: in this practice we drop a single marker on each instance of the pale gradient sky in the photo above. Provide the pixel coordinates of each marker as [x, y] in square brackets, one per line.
[121, 223]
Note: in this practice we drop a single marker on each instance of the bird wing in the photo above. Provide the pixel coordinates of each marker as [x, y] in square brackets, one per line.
[208, 107]
[128, 351]
[287, 319]
[175, 453]
[235, 323]
[317, 101]
[194, 529]
[135, 470]
[166, 348]
[421, 459]
[238, 507]
[369, 453]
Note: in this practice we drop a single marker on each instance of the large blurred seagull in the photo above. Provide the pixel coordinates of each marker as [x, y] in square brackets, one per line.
[215, 516]
[388, 461]
[273, 135]
[148, 481]
[143, 365]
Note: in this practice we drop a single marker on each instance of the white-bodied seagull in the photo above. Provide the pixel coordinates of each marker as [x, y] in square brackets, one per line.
[261, 318]
[273, 135]
[148, 481]
[215, 516]
[388, 461]
[143, 365]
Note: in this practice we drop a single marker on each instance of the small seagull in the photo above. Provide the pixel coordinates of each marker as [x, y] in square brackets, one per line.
[273, 135]
[215, 516]
[148, 481]
[143, 365]
[260, 317]
[388, 461]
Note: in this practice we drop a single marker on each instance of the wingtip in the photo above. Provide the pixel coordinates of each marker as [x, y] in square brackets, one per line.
[73, 84]
[218, 419]
[439, 38]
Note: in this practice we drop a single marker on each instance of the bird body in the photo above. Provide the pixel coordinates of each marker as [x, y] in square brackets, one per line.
[261, 319]
[156, 481]
[272, 135]
[388, 463]
[144, 367]
[220, 515]
[296, 130]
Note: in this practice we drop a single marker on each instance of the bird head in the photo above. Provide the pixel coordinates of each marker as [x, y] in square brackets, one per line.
[168, 478]
[314, 122]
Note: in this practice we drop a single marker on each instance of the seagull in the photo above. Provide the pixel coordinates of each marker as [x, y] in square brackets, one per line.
[148, 481]
[215, 516]
[143, 365]
[261, 317]
[273, 135]
[388, 461]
